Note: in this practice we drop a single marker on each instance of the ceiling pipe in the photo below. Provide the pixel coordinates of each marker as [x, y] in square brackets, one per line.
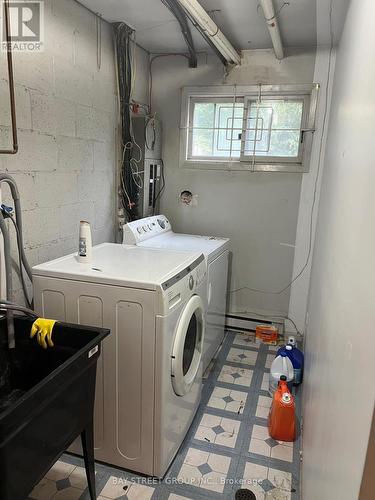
[210, 28]
[273, 27]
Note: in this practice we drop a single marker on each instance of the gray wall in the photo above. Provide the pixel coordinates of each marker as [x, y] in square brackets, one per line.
[67, 115]
[258, 211]
[339, 388]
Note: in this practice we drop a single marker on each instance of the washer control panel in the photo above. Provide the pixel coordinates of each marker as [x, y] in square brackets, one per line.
[140, 230]
[188, 282]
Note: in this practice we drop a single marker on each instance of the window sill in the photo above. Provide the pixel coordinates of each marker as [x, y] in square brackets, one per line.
[241, 166]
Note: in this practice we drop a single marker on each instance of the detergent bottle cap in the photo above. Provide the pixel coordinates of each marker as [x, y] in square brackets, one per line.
[288, 347]
[286, 398]
[283, 378]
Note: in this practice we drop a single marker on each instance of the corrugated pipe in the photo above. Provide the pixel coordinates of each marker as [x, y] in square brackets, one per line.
[8, 277]
[273, 27]
[7, 252]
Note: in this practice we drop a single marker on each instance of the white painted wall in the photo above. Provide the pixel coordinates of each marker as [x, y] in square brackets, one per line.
[67, 114]
[324, 71]
[310, 189]
[339, 392]
[258, 211]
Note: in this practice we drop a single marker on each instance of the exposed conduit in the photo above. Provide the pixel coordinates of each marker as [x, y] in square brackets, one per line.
[210, 28]
[273, 27]
[181, 17]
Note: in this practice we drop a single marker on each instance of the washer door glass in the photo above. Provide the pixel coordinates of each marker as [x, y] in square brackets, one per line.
[187, 346]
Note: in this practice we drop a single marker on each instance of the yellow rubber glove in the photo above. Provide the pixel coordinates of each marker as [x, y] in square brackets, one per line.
[42, 328]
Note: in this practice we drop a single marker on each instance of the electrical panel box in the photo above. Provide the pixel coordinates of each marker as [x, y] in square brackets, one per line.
[147, 136]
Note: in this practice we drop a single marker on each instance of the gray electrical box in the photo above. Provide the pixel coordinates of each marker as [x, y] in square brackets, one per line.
[147, 135]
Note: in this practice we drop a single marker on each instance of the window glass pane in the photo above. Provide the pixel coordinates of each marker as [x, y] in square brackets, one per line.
[204, 114]
[273, 128]
[282, 143]
[217, 129]
[203, 129]
[202, 142]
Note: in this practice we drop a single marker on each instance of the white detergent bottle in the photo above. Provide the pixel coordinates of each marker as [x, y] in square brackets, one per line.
[85, 243]
[281, 365]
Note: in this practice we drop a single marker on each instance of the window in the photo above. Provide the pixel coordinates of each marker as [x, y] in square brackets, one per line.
[266, 128]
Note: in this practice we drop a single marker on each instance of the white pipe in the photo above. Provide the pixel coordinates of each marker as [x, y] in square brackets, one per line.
[205, 22]
[273, 27]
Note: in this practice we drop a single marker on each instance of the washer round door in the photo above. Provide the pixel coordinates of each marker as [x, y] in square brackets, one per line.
[188, 346]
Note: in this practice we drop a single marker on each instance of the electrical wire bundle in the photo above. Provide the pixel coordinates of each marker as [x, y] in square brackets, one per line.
[129, 176]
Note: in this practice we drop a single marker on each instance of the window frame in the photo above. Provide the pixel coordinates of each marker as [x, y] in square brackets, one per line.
[306, 92]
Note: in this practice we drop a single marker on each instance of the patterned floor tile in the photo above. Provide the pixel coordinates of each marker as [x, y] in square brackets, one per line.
[78, 478]
[173, 496]
[246, 339]
[63, 481]
[265, 382]
[117, 487]
[273, 348]
[60, 470]
[44, 490]
[204, 470]
[218, 430]
[235, 375]
[244, 357]
[263, 406]
[228, 400]
[262, 444]
[267, 483]
[139, 492]
[68, 494]
[269, 359]
[269, 347]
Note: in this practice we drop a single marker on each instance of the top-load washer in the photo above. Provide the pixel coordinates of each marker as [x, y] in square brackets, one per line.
[150, 372]
[156, 232]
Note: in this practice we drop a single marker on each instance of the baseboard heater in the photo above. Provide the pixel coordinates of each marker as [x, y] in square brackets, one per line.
[239, 323]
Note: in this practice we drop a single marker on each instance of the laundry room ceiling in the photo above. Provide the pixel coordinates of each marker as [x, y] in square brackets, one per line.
[241, 20]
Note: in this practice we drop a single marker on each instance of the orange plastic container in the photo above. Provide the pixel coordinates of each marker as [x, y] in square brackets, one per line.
[282, 417]
[268, 333]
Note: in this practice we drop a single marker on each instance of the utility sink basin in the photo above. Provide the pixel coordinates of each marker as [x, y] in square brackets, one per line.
[46, 402]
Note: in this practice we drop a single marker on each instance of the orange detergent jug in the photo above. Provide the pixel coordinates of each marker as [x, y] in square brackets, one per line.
[282, 418]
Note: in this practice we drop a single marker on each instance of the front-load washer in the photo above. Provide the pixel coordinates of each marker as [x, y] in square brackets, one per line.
[150, 373]
[156, 232]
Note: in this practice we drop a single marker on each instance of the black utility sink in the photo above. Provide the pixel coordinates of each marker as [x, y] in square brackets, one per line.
[46, 402]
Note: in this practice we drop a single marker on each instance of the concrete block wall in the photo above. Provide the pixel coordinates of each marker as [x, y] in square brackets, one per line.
[67, 117]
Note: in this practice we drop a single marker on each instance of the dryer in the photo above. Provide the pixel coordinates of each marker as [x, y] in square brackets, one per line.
[150, 372]
[156, 232]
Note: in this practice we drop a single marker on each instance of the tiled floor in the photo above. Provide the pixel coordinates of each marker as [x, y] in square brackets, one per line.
[228, 446]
